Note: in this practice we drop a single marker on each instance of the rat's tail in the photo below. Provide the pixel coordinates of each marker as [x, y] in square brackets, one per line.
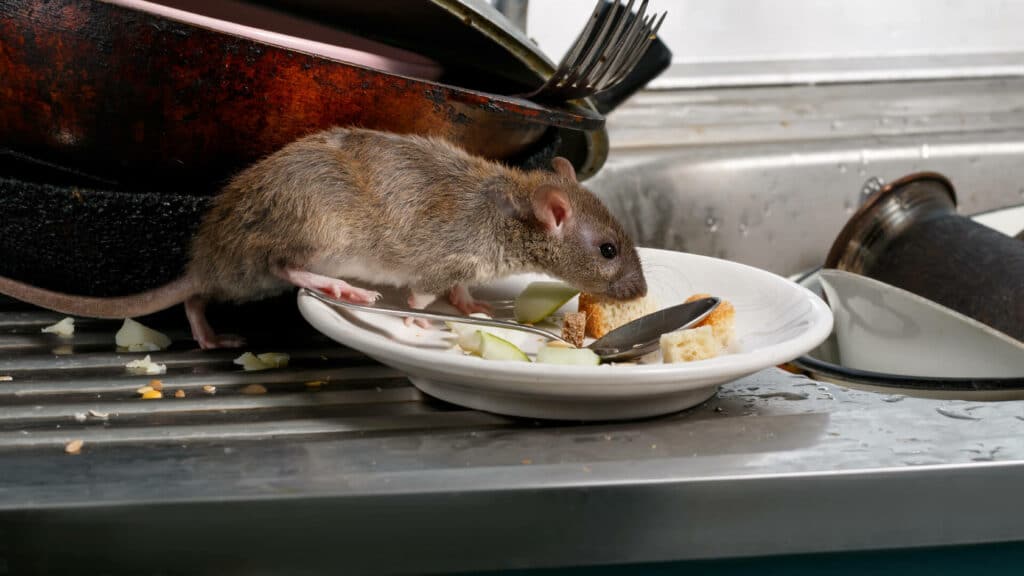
[130, 306]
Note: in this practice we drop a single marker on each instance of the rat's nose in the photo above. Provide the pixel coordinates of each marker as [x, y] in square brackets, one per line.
[628, 288]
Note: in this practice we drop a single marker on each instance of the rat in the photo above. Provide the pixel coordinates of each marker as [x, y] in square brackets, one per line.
[350, 204]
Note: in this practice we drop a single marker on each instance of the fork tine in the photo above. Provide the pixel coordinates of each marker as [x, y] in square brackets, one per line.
[648, 40]
[571, 55]
[629, 50]
[628, 39]
[596, 48]
[584, 36]
[616, 42]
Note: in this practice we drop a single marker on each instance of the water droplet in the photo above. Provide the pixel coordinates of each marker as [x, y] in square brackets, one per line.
[712, 224]
[836, 125]
[842, 168]
[873, 184]
[744, 229]
[893, 398]
[925, 152]
[863, 157]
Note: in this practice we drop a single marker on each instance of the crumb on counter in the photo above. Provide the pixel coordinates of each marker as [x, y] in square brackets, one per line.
[65, 328]
[254, 389]
[179, 393]
[209, 389]
[145, 366]
[74, 446]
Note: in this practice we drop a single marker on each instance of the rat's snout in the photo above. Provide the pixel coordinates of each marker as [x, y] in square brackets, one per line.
[632, 286]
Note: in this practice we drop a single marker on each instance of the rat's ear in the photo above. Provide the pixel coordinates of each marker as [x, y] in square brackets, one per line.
[563, 168]
[551, 208]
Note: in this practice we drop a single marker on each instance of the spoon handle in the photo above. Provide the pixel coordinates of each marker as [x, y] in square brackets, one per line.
[403, 312]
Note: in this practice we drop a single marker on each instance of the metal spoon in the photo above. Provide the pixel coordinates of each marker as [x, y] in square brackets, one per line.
[631, 340]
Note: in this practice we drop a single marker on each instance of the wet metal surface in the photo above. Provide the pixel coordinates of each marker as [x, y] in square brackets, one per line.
[769, 176]
[341, 447]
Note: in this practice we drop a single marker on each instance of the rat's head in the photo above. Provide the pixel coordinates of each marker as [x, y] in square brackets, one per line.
[586, 245]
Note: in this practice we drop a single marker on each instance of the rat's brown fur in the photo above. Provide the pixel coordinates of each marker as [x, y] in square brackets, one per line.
[403, 210]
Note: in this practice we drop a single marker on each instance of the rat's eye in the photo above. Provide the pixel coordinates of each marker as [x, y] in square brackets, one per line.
[608, 251]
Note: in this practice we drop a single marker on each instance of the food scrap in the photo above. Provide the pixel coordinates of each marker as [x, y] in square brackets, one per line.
[156, 384]
[99, 415]
[179, 393]
[65, 328]
[574, 325]
[265, 361]
[145, 366]
[74, 446]
[6, 378]
[136, 337]
[209, 389]
[254, 389]
[316, 384]
[605, 314]
[152, 395]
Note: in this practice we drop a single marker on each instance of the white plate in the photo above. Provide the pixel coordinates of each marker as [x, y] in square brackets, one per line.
[776, 321]
[883, 328]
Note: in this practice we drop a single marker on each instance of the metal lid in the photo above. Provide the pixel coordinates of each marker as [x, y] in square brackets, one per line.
[886, 214]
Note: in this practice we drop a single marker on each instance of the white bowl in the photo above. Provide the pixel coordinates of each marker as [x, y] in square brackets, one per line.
[883, 328]
[776, 321]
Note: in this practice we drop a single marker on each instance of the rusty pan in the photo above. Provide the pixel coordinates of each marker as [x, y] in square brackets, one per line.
[147, 101]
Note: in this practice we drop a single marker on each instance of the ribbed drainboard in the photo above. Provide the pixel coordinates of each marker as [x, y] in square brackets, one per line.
[78, 388]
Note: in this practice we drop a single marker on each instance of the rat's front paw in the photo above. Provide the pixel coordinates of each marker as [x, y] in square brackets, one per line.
[460, 297]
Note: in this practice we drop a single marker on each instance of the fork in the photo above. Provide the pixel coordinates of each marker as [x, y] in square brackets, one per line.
[604, 53]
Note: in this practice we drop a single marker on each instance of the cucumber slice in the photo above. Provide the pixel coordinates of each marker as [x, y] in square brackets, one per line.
[495, 348]
[468, 340]
[571, 356]
[540, 299]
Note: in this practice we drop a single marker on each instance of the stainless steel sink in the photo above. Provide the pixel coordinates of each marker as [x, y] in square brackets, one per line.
[768, 176]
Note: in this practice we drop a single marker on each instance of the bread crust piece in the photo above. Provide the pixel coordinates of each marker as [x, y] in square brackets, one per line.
[722, 319]
[605, 314]
[574, 326]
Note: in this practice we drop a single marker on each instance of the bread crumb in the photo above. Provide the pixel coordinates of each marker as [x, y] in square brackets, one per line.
[689, 345]
[721, 319]
[574, 325]
[254, 389]
[156, 384]
[179, 393]
[605, 314]
[99, 415]
[145, 366]
[81, 416]
[6, 378]
[209, 389]
[152, 395]
[315, 383]
[65, 328]
[144, 389]
[74, 446]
